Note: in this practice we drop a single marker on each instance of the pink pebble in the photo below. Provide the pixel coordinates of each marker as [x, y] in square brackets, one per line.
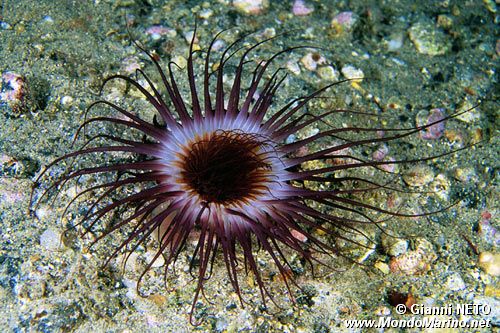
[299, 236]
[344, 17]
[435, 131]
[345, 20]
[131, 64]
[487, 231]
[299, 8]
[388, 167]
[380, 153]
[218, 45]
[158, 31]
[486, 215]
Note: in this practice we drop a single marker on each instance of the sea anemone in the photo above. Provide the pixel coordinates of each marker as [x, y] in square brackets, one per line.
[219, 167]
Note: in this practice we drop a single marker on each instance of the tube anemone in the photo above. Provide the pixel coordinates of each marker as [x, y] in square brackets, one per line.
[219, 169]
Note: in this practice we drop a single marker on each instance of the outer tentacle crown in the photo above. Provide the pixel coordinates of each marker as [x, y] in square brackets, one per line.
[223, 169]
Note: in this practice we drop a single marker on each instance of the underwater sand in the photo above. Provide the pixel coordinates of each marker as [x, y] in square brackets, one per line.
[64, 49]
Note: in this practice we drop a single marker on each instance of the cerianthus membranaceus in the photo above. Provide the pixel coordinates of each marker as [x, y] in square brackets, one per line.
[217, 166]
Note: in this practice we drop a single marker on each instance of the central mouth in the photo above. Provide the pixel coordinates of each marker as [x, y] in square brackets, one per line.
[225, 167]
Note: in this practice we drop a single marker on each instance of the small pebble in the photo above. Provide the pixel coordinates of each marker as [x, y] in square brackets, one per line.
[454, 282]
[5, 25]
[251, 7]
[299, 236]
[293, 67]
[381, 152]
[328, 73]
[394, 246]
[158, 31]
[466, 175]
[218, 45]
[344, 22]
[43, 212]
[352, 73]
[471, 113]
[490, 263]
[269, 33]
[39, 48]
[48, 19]
[310, 132]
[428, 39]
[189, 35]
[149, 256]
[131, 64]
[383, 267]
[488, 232]
[389, 167]
[50, 239]
[206, 13]
[395, 42]
[445, 21]
[308, 33]
[311, 61]
[425, 118]
[419, 175]
[398, 61]
[67, 102]
[441, 186]
[300, 8]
